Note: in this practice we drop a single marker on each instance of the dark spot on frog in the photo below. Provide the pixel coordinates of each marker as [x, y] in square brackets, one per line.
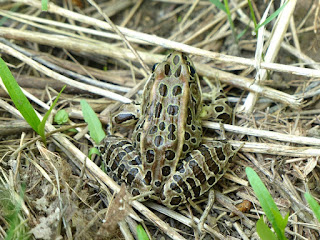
[191, 182]
[148, 177]
[157, 111]
[157, 183]
[162, 126]
[175, 187]
[153, 129]
[172, 136]
[167, 70]
[211, 180]
[178, 72]
[135, 192]
[163, 90]
[150, 156]
[185, 147]
[176, 59]
[170, 155]
[138, 137]
[131, 175]
[173, 110]
[186, 136]
[166, 170]
[176, 91]
[158, 141]
[171, 128]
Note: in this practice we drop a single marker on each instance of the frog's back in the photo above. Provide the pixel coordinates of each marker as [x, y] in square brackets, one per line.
[170, 127]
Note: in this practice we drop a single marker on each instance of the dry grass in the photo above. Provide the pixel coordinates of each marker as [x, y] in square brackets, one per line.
[276, 112]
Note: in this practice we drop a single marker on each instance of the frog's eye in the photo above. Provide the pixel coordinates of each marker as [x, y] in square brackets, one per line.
[192, 71]
[184, 57]
[154, 67]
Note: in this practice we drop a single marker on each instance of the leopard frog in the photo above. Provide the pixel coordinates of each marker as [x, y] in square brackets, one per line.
[166, 154]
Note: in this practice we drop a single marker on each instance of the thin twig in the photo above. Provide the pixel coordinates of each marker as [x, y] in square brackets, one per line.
[264, 134]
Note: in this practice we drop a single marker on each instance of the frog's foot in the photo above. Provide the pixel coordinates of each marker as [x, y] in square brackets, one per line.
[197, 173]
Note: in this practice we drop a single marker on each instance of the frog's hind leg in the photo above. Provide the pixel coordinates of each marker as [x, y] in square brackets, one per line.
[197, 173]
[123, 164]
[216, 104]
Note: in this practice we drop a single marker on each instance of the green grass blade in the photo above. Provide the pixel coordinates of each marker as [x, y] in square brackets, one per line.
[219, 5]
[93, 150]
[270, 208]
[272, 16]
[253, 16]
[18, 98]
[281, 222]
[230, 21]
[44, 119]
[142, 235]
[94, 124]
[44, 5]
[240, 35]
[10, 207]
[264, 232]
[313, 204]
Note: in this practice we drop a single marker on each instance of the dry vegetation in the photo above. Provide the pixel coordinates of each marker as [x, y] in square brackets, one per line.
[75, 43]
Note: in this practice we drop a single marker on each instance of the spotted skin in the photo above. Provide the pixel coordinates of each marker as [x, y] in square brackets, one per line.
[123, 164]
[198, 172]
[166, 154]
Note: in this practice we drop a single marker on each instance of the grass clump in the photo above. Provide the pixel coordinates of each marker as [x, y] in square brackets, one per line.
[22, 103]
[270, 208]
[10, 207]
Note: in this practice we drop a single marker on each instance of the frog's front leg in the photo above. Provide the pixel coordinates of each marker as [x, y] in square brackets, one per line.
[123, 164]
[127, 115]
[197, 173]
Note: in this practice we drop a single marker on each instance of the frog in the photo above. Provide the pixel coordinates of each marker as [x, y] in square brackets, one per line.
[166, 153]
